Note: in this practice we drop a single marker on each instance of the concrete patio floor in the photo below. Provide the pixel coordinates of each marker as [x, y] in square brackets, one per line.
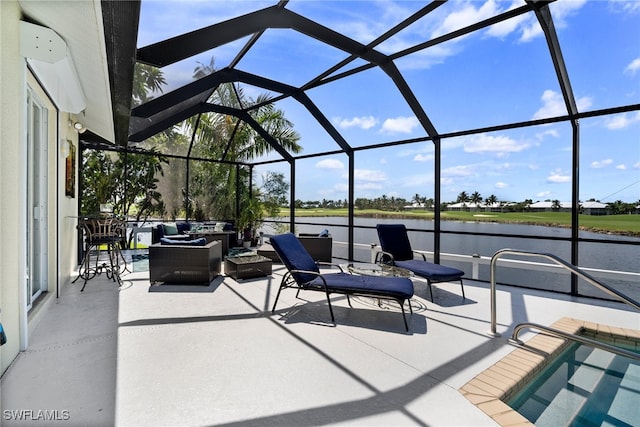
[170, 355]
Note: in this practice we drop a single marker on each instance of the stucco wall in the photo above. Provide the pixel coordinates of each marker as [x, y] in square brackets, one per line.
[12, 187]
[61, 210]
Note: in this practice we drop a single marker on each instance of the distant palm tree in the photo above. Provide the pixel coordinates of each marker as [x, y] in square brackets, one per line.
[491, 201]
[417, 200]
[555, 205]
[476, 199]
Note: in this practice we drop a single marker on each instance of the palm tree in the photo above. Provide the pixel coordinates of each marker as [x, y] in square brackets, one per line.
[417, 200]
[147, 80]
[463, 198]
[491, 201]
[476, 199]
[227, 138]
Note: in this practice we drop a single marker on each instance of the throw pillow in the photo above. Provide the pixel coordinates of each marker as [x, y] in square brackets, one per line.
[170, 229]
[183, 227]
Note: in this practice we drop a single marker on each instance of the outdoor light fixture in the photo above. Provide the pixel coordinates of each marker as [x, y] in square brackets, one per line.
[77, 126]
[64, 148]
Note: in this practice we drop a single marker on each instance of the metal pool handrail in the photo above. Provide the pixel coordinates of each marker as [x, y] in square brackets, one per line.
[572, 268]
[587, 341]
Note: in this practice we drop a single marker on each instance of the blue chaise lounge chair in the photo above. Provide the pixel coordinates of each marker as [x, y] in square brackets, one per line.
[396, 250]
[304, 274]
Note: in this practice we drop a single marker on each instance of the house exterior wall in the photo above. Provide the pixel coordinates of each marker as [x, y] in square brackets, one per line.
[15, 78]
[11, 186]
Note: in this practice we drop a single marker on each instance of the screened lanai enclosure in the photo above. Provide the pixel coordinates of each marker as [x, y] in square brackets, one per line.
[520, 100]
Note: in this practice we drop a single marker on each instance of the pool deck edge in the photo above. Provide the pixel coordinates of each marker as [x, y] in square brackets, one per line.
[491, 388]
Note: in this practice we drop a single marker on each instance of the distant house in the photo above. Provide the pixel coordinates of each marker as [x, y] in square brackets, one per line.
[588, 208]
[595, 208]
[465, 206]
[492, 207]
[547, 206]
[415, 206]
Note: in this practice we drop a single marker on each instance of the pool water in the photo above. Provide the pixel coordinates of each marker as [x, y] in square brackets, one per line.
[583, 387]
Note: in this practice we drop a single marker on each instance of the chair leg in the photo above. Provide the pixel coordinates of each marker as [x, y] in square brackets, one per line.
[462, 286]
[276, 301]
[333, 319]
[404, 316]
[430, 289]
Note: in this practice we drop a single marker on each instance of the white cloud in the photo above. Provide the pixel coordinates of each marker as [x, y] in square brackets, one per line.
[528, 26]
[621, 121]
[458, 171]
[558, 177]
[369, 175]
[633, 67]
[553, 105]
[549, 132]
[400, 125]
[560, 10]
[423, 157]
[484, 143]
[621, 167]
[543, 194]
[465, 16]
[330, 164]
[501, 185]
[365, 122]
[505, 28]
[601, 164]
[636, 166]
[368, 186]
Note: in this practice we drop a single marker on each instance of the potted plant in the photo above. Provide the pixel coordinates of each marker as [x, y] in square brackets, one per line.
[251, 217]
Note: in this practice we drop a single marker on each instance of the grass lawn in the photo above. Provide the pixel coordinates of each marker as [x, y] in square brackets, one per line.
[619, 224]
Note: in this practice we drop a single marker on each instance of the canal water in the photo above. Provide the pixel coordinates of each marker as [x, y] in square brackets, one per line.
[605, 256]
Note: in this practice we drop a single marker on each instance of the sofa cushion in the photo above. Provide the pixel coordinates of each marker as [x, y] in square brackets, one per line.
[195, 242]
[169, 229]
[183, 227]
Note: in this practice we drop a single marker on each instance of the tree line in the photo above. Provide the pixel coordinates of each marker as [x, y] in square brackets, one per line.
[391, 203]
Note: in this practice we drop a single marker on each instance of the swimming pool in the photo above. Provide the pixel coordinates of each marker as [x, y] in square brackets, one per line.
[583, 387]
[523, 369]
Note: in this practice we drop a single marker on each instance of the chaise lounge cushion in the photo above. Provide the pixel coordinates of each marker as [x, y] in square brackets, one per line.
[435, 272]
[387, 287]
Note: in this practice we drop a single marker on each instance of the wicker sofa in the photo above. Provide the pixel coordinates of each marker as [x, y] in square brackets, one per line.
[184, 263]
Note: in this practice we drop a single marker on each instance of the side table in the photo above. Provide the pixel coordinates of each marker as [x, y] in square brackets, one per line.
[247, 266]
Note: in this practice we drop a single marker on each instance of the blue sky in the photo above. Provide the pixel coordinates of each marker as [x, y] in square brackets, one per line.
[502, 74]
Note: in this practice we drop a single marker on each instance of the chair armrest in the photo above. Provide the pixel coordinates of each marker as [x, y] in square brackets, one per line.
[424, 258]
[380, 258]
[331, 264]
[314, 273]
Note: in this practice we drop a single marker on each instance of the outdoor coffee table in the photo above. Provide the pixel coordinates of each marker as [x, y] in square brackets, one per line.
[247, 266]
